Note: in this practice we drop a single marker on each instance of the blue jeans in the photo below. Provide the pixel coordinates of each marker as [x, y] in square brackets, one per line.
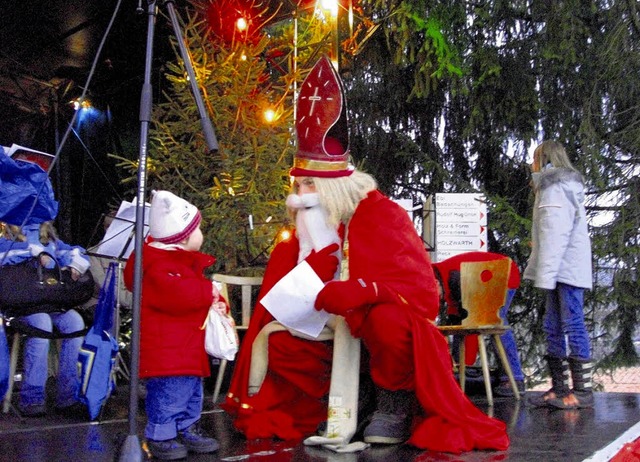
[36, 359]
[509, 343]
[172, 404]
[564, 321]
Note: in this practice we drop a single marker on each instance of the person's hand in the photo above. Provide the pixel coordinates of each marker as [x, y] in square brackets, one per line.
[75, 274]
[323, 262]
[220, 307]
[215, 292]
[45, 260]
[339, 297]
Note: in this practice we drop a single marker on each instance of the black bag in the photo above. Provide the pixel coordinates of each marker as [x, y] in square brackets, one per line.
[28, 288]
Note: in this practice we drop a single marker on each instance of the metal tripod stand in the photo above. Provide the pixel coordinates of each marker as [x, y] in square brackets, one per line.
[131, 450]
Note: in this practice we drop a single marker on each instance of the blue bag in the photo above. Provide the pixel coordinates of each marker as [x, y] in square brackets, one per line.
[98, 353]
[26, 193]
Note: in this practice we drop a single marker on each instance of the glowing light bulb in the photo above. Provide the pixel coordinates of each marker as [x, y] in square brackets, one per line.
[285, 234]
[80, 104]
[241, 24]
[269, 115]
[330, 5]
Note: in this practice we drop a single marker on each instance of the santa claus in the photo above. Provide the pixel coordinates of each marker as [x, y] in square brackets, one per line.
[386, 294]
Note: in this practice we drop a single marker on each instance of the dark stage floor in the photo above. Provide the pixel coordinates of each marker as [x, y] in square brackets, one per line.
[538, 435]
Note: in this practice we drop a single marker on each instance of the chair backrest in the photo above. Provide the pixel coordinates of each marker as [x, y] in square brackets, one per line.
[484, 287]
[246, 283]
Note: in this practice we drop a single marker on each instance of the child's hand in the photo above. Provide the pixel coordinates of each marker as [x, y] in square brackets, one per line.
[220, 307]
[215, 292]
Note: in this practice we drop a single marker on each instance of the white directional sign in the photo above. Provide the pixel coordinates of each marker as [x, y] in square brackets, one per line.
[461, 224]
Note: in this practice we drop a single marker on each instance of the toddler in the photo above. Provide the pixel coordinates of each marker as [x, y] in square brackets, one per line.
[176, 296]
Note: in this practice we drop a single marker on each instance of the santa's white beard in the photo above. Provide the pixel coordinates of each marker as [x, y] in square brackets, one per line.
[313, 230]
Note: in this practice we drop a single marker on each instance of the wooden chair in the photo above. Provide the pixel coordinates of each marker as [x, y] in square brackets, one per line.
[13, 364]
[484, 288]
[18, 330]
[247, 284]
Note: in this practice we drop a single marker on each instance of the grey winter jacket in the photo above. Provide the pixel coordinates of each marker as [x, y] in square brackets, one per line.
[561, 247]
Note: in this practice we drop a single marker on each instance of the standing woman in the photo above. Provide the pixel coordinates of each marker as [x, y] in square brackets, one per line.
[560, 264]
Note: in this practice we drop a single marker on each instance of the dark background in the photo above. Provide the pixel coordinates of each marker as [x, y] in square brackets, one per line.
[47, 48]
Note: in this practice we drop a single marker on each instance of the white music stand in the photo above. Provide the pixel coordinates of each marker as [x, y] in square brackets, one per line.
[116, 245]
[119, 239]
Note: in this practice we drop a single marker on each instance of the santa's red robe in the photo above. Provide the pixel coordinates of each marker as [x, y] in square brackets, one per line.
[407, 352]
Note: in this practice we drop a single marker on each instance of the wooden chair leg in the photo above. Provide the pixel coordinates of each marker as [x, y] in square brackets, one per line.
[505, 364]
[13, 364]
[216, 389]
[485, 368]
[462, 366]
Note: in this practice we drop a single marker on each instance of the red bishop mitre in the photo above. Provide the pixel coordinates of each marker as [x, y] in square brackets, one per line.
[322, 125]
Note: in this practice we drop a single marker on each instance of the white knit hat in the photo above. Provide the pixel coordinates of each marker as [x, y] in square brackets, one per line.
[171, 218]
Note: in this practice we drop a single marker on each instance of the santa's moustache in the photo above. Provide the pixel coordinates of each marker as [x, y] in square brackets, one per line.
[313, 230]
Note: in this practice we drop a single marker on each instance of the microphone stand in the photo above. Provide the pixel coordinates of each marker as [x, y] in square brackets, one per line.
[131, 450]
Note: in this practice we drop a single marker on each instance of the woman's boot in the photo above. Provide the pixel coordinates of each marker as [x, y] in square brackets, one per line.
[581, 395]
[559, 370]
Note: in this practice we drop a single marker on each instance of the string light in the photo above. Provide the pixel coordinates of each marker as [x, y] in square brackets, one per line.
[330, 6]
[241, 24]
[269, 115]
[284, 234]
[80, 104]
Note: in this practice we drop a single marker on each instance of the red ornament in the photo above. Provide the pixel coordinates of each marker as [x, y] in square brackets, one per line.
[223, 16]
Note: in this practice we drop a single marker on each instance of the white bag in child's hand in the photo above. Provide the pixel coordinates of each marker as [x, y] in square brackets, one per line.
[221, 338]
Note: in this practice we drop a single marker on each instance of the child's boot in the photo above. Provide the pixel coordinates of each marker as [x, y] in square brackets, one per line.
[196, 440]
[582, 394]
[167, 449]
[559, 370]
